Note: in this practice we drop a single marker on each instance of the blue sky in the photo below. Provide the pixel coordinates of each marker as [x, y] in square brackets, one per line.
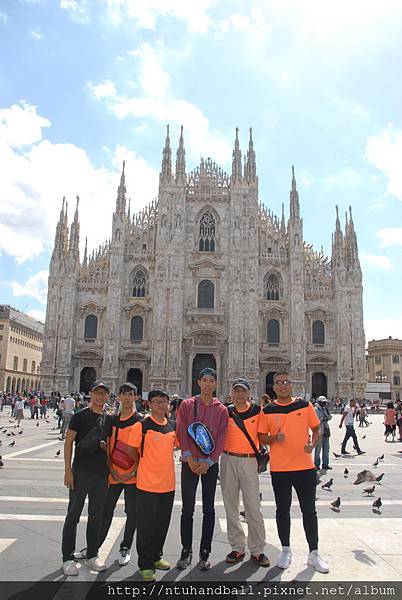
[85, 84]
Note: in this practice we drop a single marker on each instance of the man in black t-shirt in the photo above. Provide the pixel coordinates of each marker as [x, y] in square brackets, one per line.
[87, 476]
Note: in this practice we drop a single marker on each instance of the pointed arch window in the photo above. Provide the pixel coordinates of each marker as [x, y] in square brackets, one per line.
[318, 332]
[273, 291]
[206, 242]
[91, 327]
[205, 294]
[139, 284]
[137, 329]
[273, 331]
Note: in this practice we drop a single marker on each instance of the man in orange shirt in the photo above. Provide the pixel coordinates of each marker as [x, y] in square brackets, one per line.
[153, 442]
[238, 472]
[286, 426]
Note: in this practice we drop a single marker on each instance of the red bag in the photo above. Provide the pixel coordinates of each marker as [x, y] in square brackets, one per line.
[119, 456]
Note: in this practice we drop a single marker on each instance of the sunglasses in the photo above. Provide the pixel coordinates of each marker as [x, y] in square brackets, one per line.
[282, 382]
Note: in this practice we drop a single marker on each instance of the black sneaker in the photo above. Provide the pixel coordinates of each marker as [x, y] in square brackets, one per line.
[360, 452]
[204, 563]
[235, 557]
[185, 559]
[261, 559]
[345, 452]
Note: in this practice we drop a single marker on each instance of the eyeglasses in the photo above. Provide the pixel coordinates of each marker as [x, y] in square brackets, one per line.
[282, 382]
[159, 402]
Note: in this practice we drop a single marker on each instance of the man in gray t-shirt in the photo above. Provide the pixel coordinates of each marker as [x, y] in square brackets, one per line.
[68, 411]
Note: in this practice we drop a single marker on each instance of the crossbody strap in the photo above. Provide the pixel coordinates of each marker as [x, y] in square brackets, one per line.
[239, 422]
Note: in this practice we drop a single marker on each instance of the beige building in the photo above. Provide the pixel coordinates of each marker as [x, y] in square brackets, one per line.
[384, 364]
[21, 341]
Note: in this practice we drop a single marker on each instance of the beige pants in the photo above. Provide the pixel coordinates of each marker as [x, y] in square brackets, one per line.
[240, 474]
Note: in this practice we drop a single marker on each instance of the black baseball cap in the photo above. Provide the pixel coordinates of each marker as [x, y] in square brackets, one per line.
[100, 384]
[241, 383]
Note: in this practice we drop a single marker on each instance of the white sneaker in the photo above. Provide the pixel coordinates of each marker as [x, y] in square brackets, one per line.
[96, 564]
[285, 558]
[124, 556]
[69, 568]
[316, 561]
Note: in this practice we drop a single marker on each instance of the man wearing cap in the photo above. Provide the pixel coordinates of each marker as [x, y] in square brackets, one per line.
[324, 415]
[206, 410]
[238, 472]
[86, 477]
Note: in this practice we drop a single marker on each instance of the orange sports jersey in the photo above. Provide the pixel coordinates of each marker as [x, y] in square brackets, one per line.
[156, 471]
[123, 435]
[294, 420]
[235, 440]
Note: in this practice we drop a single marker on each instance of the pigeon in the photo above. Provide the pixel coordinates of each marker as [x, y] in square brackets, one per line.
[260, 496]
[12, 433]
[243, 514]
[58, 452]
[377, 504]
[10, 421]
[20, 432]
[376, 463]
[364, 437]
[4, 430]
[364, 477]
[37, 424]
[1, 443]
[327, 486]
[8, 434]
[1, 463]
[381, 457]
[369, 491]
[12, 443]
[378, 479]
[336, 503]
[346, 472]
[337, 455]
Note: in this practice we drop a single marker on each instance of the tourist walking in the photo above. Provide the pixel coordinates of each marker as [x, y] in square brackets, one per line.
[321, 451]
[390, 421]
[348, 418]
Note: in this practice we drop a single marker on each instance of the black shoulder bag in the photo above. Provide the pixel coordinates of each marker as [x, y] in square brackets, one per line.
[261, 455]
[90, 443]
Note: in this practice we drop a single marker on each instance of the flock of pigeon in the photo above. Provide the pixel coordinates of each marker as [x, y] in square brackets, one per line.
[364, 476]
[8, 432]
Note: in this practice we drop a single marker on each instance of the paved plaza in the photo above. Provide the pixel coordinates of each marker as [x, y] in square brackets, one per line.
[360, 545]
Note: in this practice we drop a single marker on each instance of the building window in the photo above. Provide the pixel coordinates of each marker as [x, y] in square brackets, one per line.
[378, 360]
[207, 233]
[272, 288]
[318, 332]
[25, 365]
[91, 327]
[396, 379]
[273, 332]
[33, 367]
[1, 337]
[380, 377]
[15, 363]
[139, 282]
[137, 329]
[205, 294]
[1, 326]
[395, 359]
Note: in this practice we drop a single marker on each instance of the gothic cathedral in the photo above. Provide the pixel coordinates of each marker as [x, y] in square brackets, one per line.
[205, 276]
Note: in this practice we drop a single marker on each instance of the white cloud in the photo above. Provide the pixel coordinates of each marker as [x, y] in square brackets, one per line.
[158, 103]
[33, 183]
[20, 125]
[384, 151]
[35, 35]
[34, 287]
[144, 13]
[255, 24]
[380, 329]
[39, 315]
[77, 9]
[383, 262]
[3, 18]
[391, 236]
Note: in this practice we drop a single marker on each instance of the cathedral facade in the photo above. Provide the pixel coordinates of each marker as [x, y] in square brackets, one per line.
[205, 276]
